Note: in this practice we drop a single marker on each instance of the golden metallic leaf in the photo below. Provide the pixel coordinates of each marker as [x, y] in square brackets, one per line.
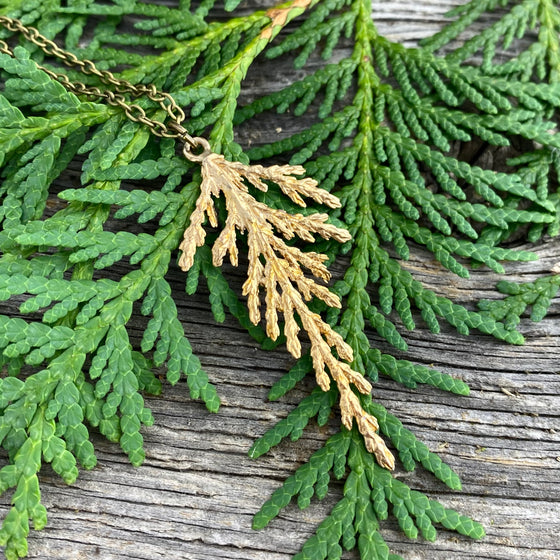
[278, 270]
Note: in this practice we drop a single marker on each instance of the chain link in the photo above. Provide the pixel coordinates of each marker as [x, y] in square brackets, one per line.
[133, 111]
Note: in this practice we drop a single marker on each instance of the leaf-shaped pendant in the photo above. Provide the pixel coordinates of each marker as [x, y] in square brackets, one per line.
[278, 269]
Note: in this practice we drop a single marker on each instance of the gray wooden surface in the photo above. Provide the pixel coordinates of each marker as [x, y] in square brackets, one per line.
[195, 495]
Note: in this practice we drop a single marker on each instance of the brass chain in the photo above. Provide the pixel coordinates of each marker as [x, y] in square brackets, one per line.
[133, 111]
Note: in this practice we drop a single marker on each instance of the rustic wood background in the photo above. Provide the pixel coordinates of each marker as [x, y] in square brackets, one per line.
[195, 496]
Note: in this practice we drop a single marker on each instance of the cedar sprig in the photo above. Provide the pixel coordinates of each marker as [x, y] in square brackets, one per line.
[539, 59]
[35, 154]
[541, 168]
[529, 62]
[537, 294]
[388, 201]
[369, 495]
[79, 318]
[319, 405]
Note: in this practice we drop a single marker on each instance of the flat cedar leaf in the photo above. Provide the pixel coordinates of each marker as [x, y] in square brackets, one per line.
[290, 379]
[292, 426]
[519, 297]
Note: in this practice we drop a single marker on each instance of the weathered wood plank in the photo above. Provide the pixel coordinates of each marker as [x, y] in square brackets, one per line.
[196, 493]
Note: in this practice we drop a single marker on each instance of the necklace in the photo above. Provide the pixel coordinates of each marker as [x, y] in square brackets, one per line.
[274, 267]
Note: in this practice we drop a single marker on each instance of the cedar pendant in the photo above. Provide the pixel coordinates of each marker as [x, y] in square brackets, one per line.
[278, 268]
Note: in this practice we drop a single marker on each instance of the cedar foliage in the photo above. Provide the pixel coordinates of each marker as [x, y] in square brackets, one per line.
[384, 121]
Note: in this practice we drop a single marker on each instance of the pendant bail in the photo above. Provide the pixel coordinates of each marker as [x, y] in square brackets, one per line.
[196, 148]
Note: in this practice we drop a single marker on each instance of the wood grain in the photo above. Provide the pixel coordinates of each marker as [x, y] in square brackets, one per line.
[195, 496]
